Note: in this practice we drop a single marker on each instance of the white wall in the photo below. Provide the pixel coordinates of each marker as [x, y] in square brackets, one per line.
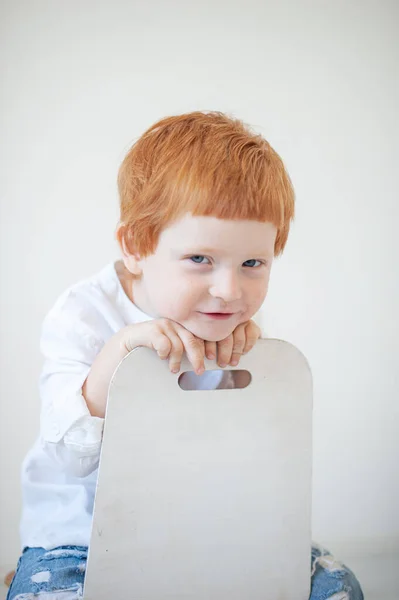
[81, 80]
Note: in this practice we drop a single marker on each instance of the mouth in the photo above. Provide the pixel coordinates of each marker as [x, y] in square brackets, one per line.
[217, 315]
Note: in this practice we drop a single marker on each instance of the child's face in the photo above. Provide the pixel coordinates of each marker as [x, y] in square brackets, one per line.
[203, 267]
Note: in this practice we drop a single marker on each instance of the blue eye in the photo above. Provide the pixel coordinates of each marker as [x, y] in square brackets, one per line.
[199, 260]
[251, 263]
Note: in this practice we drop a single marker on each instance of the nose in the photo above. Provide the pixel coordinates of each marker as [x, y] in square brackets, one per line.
[226, 285]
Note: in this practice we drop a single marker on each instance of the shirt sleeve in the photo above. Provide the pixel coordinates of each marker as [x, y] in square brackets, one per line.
[69, 343]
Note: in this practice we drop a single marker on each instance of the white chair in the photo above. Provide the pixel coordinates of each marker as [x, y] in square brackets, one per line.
[205, 495]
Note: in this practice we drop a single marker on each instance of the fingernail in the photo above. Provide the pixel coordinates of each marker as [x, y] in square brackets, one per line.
[223, 365]
[210, 356]
[200, 371]
[234, 363]
[175, 370]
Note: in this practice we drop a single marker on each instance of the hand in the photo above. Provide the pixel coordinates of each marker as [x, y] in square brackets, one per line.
[169, 340]
[230, 349]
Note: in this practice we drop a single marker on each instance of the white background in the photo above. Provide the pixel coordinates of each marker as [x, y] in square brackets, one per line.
[82, 80]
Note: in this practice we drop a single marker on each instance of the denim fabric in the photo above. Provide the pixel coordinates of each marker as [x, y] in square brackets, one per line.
[50, 574]
[59, 575]
[332, 579]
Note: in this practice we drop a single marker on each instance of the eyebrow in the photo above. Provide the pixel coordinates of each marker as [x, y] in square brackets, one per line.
[198, 251]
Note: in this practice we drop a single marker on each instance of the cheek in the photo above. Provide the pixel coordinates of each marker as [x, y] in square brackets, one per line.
[255, 297]
[178, 296]
[257, 291]
[188, 296]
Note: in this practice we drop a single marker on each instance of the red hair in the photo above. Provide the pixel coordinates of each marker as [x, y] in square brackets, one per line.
[205, 164]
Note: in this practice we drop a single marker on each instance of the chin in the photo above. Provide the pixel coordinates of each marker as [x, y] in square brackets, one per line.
[210, 333]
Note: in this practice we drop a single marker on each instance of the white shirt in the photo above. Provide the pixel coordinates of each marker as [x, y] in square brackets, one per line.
[59, 473]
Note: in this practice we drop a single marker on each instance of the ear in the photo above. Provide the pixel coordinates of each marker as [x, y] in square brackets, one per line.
[131, 260]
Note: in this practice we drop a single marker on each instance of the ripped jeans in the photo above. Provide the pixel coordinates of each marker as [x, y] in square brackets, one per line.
[59, 575]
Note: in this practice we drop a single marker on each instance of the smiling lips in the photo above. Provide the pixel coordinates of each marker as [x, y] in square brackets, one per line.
[218, 315]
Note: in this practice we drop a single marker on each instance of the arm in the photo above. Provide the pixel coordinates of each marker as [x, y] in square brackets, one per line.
[81, 354]
[73, 334]
[95, 387]
[167, 338]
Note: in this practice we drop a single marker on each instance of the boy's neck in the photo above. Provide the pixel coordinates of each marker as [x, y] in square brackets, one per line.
[125, 278]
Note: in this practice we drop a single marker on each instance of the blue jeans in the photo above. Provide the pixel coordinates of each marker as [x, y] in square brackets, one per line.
[60, 572]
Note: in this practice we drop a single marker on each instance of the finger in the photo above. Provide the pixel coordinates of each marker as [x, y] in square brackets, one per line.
[162, 345]
[176, 353]
[195, 349]
[224, 350]
[252, 334]
[210, 350]
[239, 338]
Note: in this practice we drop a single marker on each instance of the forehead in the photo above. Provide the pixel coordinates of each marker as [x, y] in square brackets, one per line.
[222, 235]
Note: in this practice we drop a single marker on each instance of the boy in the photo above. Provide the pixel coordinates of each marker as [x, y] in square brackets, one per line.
[205, 206]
